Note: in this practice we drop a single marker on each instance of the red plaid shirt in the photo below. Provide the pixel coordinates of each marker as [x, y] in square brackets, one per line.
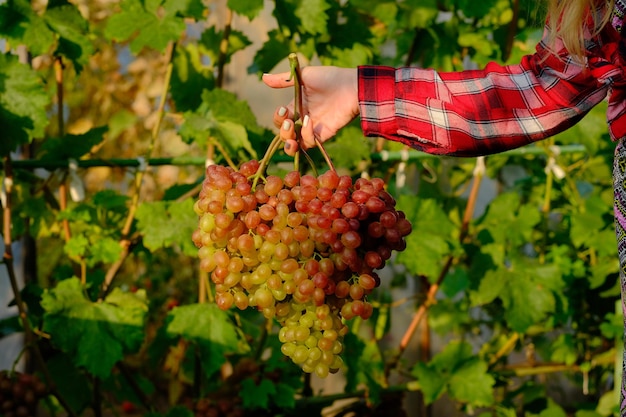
[478, 112]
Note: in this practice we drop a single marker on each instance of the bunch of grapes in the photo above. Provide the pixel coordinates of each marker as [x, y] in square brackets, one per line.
[19, 394]
[217, 408]
[301, 249]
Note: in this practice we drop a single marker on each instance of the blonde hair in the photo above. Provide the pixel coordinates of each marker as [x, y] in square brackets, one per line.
[567, 20]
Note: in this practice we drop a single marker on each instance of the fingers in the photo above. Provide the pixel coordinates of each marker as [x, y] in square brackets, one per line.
[281, 114]
[308, 137]
[280, 80]
[288, 134]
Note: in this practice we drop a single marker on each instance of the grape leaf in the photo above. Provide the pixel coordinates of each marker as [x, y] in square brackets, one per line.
[520, 219]
[19, 24]
[104, 249]
[349, 148]
[147, 27]
[527, 294]
[166, 224]
[185, 8]
[189, 78]
[313, 16]
[257, 395]
[248, 8]
[74, 44]
[458, 372]
[273, 51]
[222, 117]
[285, 396]
[420, 13]
[211, 40]
[71, 383]
[71, 146]
[353, 56]
[211, 329]
[76, 246]
[476, 9]
[226, 107]
[471, 383]
[365, 365]
[97, 335]
[432, 237]
[23, 103]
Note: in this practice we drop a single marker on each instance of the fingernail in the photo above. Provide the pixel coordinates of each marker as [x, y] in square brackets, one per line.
[282, 111]
[286, 125]
[305, 121]
[287, 146]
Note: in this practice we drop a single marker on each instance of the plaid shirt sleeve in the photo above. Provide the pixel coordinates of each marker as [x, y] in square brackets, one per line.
[479, 112]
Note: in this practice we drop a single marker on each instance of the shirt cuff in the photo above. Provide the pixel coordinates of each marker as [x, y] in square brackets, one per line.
[377, 100]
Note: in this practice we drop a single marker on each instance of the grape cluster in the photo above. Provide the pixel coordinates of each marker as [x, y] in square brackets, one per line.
[19, 394]
[225, 407]
[301, 249]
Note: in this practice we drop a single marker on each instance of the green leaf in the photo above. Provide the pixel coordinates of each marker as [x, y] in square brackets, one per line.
[313, 16]
[285, 396]
[349, 149]
[365, 365]
[233, 137]
[104, 249]
[166, 224]
[211, 40]
[76, 246]
[71, 383]
[211, 329]
[222, 117]
[147, 27]
[257, 396]
[71, 146]
[588, 224]
[97, 335]
[476, 9]
[472, 384]
[552, 410]
[19, 24]
[506, 209]
[432, 237]
[185, 8]
[189, 77]
[248, 8]
[23, 104]
[563, 350]
[527, 294]
[179, 411]
[421, 13]
[74, 44]
[273, 51]
[458, 372]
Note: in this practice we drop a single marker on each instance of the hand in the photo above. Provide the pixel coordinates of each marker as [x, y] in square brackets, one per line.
[329, 102]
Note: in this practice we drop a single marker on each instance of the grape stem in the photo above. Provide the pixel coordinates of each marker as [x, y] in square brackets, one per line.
[296, 76]
[271, 150]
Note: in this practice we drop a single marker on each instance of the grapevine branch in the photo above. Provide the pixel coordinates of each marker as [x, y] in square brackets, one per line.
[8, 262]
[126, 238]
[432, 291]
[221, 59]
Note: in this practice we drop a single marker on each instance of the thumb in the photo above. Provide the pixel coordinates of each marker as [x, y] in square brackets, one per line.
[280, 80]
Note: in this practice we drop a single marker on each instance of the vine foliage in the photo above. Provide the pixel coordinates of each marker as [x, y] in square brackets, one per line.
[508, 287]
